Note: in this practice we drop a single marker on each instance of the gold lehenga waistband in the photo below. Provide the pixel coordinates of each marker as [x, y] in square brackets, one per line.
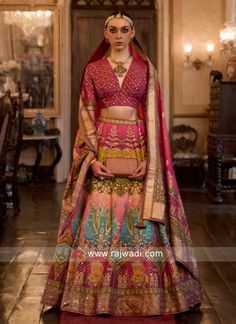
[120, 121]
[119, 112]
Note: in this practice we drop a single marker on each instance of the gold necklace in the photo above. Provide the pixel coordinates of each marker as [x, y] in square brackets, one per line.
[120, 69]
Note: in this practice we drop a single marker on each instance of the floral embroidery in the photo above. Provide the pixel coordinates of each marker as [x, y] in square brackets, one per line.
[96, 273]
[138, 276]
[101, 226]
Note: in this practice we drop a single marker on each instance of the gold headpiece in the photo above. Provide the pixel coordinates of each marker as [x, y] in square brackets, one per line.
[119, 16]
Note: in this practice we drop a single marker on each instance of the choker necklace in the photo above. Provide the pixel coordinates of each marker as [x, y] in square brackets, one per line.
[120, 69]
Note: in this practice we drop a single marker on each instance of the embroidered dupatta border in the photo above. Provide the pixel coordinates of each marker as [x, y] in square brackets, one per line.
[85, 150]
[154, 200]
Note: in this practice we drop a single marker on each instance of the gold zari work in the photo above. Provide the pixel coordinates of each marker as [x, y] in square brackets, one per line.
[118, 185]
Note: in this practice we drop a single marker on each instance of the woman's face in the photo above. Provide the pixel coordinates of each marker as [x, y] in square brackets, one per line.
[118, 33]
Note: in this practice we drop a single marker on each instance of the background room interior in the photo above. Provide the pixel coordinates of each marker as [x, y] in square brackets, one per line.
[180, 34]
[45, 45]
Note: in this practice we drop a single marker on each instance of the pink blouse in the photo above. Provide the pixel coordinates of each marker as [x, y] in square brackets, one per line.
[101, 85]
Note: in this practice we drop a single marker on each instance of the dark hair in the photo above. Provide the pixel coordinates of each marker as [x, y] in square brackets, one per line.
[119, 12]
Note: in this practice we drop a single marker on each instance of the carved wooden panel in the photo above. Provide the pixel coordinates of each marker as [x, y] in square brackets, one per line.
[108, 4]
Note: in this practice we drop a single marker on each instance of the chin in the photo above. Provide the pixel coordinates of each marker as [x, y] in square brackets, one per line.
[119, 47]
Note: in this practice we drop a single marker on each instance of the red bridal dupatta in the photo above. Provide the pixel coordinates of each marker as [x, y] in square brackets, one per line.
[161, 199]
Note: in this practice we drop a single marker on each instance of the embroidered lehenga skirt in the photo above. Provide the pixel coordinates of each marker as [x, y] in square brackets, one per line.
[115, 267]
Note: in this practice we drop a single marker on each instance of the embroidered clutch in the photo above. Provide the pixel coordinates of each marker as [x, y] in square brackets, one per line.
[121, 167]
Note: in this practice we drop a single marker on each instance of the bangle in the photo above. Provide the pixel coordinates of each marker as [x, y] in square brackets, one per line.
[94, 160]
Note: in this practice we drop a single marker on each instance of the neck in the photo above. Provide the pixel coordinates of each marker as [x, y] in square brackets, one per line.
[120, 55]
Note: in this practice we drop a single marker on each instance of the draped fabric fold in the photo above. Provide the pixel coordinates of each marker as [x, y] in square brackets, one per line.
[162, 200]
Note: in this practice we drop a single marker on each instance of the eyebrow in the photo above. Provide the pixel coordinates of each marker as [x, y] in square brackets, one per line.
[120, 27]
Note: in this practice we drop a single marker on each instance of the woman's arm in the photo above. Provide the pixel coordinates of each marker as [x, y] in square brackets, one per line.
[98, 169]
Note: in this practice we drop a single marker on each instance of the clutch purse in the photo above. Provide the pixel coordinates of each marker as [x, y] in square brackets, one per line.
[121, 167]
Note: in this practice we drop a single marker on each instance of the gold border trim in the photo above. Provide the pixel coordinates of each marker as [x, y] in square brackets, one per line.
[120, 121]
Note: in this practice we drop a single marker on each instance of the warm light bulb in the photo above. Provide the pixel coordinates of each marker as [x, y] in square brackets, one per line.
[38, 13]
[27, 14]
[210, 47]
[187, 48]
[228, 32]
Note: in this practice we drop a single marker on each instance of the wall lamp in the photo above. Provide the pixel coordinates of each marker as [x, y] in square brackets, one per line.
[197, 63]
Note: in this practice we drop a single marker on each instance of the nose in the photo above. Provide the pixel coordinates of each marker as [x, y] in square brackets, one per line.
[118, 34]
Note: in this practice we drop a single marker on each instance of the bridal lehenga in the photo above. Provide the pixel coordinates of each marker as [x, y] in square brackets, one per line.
[104, 261]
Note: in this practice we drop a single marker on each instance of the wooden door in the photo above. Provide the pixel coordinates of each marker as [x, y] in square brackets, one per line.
[87, 33]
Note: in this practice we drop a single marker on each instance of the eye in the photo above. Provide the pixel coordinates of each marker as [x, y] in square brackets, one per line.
[112, 30]
[125, 30]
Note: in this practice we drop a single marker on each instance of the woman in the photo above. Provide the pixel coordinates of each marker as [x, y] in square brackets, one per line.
[123, 243]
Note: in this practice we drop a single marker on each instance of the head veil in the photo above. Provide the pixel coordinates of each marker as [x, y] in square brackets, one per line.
[161, 199]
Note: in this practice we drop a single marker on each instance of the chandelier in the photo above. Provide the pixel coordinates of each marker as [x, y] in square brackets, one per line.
[28, 21]
[228, 39]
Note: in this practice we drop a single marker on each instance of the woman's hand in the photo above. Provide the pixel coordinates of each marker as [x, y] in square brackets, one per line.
[100, 171]
[140, 172]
